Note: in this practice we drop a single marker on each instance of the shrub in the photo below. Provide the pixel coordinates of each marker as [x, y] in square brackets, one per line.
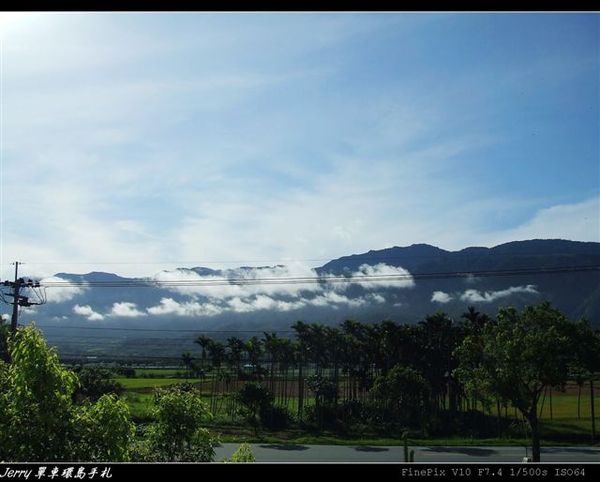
[94, 382]
[402, 395]
[255, 398]
[104, 431]
[178, 435]
[274, 418]
[243, 454]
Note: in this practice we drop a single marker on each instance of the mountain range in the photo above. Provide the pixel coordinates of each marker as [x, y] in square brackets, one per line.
[401, 283]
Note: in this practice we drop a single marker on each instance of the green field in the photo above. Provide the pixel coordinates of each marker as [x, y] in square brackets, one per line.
[159, 372]
[149, 383]
[559, 426]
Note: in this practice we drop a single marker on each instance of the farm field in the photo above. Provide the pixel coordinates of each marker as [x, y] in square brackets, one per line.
[560, 424]
[148, 384]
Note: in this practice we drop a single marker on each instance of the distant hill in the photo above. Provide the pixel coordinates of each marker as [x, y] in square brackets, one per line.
[112, 311]
[576, 293]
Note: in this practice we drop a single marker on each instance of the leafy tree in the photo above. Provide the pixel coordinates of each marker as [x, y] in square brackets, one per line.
[404, 391]
[4, 330]
[36, 403]
[39, 420]
[474, 320]
[517, 357]
[325, 391]
[178, 435]
[438, 338]
[103, 430]
[254, 396]
[323, 388]
[94, 382]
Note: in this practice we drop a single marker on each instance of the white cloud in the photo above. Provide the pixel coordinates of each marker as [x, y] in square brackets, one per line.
[259, 302]
[58, 294]
[126, 309]
[179, 154]
[263, 302]
[224, 296]
[376, 298]
[331, 298]
[475, 296]
[168, 306]
[214, 287]
[441, 297]
[404, 279]
[577, 222]
[286, 281]
[88, 312]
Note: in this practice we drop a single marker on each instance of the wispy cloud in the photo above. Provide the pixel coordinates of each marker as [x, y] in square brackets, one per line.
[126, 309]
[476, 296]
[58, 294]
[441, 297]
[88, 312]
[168, 306]
[275, 136]
[576, 221]
[215, 299]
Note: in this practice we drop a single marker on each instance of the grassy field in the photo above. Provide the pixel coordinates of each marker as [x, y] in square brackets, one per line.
[159, 372]
[559, 426]
[133, 384]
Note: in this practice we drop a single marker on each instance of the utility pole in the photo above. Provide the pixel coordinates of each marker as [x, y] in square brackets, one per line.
[16, 287]
[19, 300]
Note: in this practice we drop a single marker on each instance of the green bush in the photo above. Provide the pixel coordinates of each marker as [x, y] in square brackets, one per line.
[103, 430]
[177, 435]
[243, 454]
[274, 418]
[402, 396]
[94, 382]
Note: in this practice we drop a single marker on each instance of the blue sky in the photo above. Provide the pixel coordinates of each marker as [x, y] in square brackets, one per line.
[145, 140]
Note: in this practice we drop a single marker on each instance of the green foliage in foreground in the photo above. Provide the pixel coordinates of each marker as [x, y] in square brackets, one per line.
[243, 454]
[178, 435]
[39, 420]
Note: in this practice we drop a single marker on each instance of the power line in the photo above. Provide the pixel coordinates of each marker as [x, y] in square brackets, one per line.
[170, 330]
[121, 357]
[145, 283]
[447, 254]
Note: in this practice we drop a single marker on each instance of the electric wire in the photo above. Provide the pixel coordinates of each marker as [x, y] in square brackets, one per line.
[147, 282]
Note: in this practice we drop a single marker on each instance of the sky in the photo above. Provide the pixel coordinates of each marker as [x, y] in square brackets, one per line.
[137, 142]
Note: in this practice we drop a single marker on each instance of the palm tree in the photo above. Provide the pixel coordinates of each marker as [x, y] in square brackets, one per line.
[438, 343]
[586, 361]
[204, 342]
[236, 349]
[271, 344]
[186, 358]
[254, 349]
[302, 355]
[216, 351]
[474, 320]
